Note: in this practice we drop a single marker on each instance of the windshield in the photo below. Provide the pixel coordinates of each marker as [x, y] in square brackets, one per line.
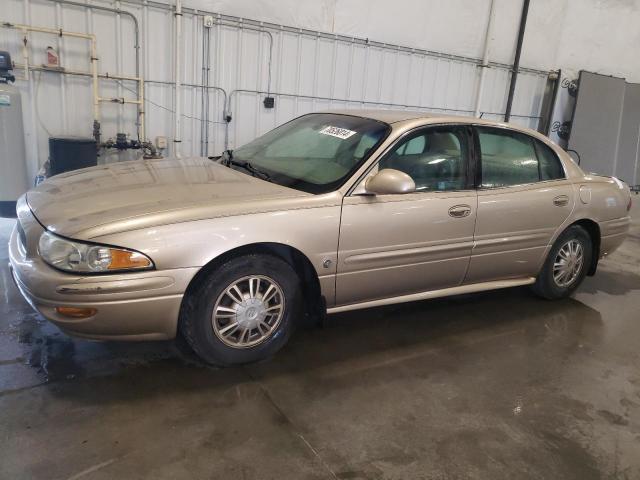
[315, 153]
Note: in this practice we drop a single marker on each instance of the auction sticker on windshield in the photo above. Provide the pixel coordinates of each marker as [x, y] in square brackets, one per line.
[342, 133]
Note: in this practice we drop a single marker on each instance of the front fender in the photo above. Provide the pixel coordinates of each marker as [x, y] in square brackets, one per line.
[312, 231]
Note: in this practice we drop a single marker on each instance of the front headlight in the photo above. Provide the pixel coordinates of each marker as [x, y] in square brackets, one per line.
[80, 257]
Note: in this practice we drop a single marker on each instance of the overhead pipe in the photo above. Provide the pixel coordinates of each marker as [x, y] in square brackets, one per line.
[329, 36]
[516, 62]
[177, 133]
[484, 66]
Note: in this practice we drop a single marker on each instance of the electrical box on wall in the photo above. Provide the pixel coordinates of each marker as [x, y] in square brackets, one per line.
[269, 102]
[161, 142]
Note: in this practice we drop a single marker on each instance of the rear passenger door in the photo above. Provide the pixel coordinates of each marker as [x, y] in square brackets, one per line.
[523, 198]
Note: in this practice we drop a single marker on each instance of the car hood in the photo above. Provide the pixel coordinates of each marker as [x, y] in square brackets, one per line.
[108, 199]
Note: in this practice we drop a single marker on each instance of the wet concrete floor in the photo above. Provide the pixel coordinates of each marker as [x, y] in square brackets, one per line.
[491, 385]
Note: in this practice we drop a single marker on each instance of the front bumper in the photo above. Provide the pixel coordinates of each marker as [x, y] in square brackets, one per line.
[130, 306]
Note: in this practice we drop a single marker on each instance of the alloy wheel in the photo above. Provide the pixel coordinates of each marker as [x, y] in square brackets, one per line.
[568, 263]
[248, 311]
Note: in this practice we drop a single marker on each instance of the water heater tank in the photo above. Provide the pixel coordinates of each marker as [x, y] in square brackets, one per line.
[13, 167]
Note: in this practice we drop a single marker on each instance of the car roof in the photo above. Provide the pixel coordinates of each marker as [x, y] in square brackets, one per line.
[414, 118]
[387, 116]
[397, 116]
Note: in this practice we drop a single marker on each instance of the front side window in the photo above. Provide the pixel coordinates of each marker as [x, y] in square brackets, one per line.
[512, 158]
[315, 153]
[435, 158]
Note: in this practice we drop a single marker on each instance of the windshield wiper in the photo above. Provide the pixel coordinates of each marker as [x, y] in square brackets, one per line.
[226, 157]
[229, 161]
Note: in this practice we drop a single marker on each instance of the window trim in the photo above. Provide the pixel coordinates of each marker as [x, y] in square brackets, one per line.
[478, 178]
[465, 130]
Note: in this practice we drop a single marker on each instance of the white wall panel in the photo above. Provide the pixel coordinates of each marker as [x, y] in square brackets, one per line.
[309, 71]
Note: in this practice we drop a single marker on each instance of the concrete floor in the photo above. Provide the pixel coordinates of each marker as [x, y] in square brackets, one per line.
[492, 385]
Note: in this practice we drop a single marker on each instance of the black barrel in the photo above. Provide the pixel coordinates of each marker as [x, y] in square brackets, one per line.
[71, 153]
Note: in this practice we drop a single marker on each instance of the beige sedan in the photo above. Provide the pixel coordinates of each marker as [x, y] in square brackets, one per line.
[330, 212]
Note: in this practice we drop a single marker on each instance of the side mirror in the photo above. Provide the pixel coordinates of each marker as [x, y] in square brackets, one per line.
[388, 182]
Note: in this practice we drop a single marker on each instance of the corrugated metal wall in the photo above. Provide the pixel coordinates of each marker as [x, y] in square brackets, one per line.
[304, 70]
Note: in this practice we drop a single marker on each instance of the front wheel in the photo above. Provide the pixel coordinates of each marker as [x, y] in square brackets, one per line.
[566, 265]
[243, 311]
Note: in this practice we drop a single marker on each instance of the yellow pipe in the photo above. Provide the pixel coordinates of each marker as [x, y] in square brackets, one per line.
[94, 68]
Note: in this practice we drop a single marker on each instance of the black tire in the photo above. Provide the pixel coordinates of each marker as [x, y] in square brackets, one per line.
[196, 315]
[546, 286]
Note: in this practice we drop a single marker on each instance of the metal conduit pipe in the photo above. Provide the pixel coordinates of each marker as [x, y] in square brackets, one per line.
[331, 36]
[204, 107]
[177, 130]
[136, 46]
[227, 104]
[61, 47]
[485, 58]
[367, 102]
[261, 30]
[191, 85]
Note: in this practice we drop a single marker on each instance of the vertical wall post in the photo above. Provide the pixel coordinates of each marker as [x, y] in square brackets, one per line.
[177, 134]
[516, 62]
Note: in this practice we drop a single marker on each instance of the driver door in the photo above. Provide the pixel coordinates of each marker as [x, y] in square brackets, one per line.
[393, 245]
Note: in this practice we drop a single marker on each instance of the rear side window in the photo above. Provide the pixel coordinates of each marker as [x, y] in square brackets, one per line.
[550, 166]
[512, 158]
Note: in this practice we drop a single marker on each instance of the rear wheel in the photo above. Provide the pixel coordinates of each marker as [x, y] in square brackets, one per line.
[243, 311]
[566, 265]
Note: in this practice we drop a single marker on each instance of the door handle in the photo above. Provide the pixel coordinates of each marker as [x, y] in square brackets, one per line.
[460, 211]
[561, 201]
